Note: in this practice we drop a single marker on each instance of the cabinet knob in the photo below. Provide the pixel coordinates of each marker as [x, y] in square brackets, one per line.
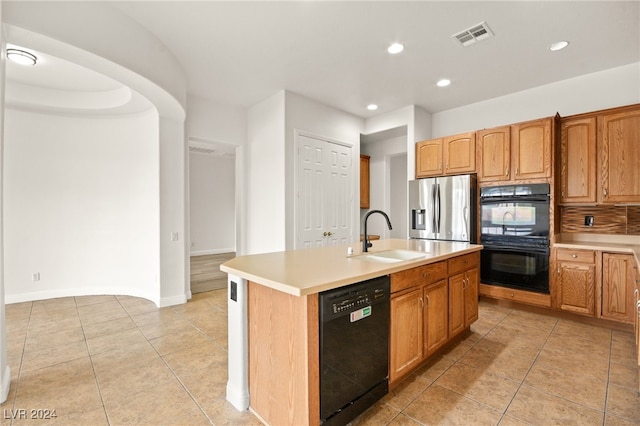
[574, 255]
[507, 172]
[424, 275]
[604, 192]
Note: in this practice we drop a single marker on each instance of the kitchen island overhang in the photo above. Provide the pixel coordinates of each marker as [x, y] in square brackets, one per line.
[295, 278]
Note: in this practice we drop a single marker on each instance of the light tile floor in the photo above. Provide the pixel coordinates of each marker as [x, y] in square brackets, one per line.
[121, 361]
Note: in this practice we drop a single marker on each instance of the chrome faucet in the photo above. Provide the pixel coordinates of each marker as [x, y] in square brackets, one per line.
[365, 239]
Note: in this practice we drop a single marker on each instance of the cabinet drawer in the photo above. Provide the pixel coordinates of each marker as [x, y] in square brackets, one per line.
[570, 255]
[417, 276]
[462, 263]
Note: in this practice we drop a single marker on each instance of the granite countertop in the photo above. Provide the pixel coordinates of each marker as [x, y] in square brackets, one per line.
[309, 271]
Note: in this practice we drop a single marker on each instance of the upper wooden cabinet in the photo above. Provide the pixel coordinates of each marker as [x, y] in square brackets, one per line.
[521, 151]
[459, 154]
[494, 159]
[531, 149]
[429, 158]
[578, 160]
[450, 155]
[620, 156]
[364, 181]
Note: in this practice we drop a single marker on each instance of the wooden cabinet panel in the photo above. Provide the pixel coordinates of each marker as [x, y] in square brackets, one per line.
[429, 158]
[406, 333]
[620, 157]
[569, 255]
[450, 155]
[576, 286]
[436, 316]
[531, 149]
[471, 296]
[426, 274]
[464, 262]
[460, 153]
[456, 304]
[364, 182]
[576, 281]
[578, 160]
[494, 147]
[618, 279]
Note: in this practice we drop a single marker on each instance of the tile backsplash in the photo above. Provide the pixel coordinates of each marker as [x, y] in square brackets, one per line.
[622, 220]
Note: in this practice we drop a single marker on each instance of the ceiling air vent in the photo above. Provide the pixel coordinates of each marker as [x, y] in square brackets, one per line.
[199, 150]
[471, 35]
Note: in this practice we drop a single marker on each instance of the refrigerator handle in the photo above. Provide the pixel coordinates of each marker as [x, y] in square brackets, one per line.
[434, 189]
[437, 212]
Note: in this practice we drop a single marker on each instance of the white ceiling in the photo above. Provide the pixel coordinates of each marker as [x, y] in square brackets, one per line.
[239, 53]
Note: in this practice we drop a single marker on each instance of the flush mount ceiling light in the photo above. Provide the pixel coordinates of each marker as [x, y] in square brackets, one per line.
[443, 82]
[21, 57]
[372, 107]
[395, 48]
[559, 45]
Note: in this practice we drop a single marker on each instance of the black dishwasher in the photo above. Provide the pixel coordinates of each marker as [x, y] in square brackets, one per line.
[354, 349]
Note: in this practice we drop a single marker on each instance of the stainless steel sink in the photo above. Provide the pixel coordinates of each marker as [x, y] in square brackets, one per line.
[391, 256]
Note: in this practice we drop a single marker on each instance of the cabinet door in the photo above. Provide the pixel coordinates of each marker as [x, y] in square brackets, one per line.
[406, 334]
[429, 158]
[460, 153]
[364, 181]
[436, 311]
[578, 161]
[472, 277]
[494, 146]
[531, 149]
[576, 287]
[456, 304]
[618, 276]
[620, 156]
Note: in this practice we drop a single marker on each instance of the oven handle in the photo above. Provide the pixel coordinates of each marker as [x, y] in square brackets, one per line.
[513, 198]
[515, 249]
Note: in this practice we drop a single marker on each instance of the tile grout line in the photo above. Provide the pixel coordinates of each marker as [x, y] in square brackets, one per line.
[93, 369]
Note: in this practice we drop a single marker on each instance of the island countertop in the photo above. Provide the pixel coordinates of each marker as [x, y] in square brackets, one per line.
[309, 271]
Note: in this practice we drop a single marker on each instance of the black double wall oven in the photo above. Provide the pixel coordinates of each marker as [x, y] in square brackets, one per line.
[515, 235]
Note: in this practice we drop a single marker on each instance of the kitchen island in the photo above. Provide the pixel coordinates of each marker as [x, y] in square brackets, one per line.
[273, 315]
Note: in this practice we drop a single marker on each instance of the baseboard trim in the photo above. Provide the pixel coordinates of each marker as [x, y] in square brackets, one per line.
[4, 386]
[173, 300]
[213, 251]
[77, 292]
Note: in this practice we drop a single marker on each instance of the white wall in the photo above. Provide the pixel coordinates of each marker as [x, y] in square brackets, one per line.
[5, 371]
[591, 92]
[212, 205]
[81, 205]
[398, 204]
[264, 163]
[380, 183]
[211, 121]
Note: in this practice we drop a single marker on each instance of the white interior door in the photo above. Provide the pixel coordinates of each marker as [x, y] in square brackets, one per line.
[325, 194]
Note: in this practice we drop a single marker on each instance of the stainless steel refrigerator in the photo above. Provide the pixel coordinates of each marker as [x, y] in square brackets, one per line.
[443, 208]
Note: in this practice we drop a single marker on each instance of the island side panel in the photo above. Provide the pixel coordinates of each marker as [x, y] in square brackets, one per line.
[283, 356]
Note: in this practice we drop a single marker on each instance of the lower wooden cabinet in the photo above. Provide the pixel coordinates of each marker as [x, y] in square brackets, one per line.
[618, 285]
[595, 283]
[426, 302]
[576, 281]
[406, 333]
[436, 298]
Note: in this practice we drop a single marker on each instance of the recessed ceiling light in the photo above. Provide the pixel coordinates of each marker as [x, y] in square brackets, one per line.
[395, 48]
[372, 107]
[21, 57]
[559, 45]
[444, 82]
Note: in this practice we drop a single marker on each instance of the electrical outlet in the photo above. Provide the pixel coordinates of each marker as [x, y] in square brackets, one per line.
[35, 276]
[174, 236]
[588, 220]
